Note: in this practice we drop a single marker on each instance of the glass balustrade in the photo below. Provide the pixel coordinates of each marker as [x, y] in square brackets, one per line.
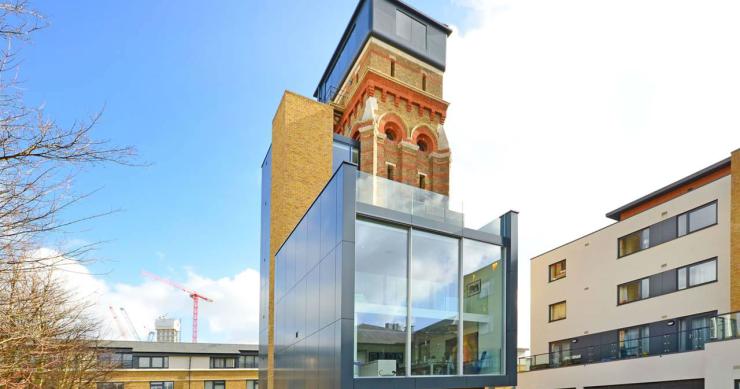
[721, 327]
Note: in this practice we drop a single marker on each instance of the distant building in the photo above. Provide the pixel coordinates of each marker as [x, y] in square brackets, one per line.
[168, 330]
[651, 301]
[152, 365]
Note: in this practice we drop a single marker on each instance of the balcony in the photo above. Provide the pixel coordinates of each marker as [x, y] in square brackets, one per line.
[721, 328]
[419, 206]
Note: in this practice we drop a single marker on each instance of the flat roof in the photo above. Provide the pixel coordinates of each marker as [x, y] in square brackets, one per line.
[179, 348]
[616, 214]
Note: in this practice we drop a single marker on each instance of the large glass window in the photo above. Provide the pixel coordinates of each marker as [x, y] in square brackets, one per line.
[634, 341]
[253, 385]
[161, 385]
[634, 242]
[557, 270]
[380, 299]
[697, 274]
[558, 311]
[434, 304]
[483, 308]
[703, 217]
[633, 291]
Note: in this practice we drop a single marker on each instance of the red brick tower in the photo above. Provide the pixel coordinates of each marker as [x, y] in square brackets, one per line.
[391, 102]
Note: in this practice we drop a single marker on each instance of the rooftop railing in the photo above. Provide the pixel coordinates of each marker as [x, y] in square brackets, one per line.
[720, 328]
[417, 203]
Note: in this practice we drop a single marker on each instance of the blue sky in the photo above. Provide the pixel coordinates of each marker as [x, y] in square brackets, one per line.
[552, 103]
[193, 86]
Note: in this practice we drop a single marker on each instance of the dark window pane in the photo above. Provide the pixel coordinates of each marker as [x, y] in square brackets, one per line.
[558, 311]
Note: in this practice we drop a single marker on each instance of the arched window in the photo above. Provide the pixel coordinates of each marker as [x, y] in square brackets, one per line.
[422, 145]
[392, 132]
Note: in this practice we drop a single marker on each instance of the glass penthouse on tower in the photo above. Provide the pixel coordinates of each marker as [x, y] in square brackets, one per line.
[367, 282]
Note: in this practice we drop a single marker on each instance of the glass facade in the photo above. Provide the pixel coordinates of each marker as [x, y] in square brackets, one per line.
[380, 298]
[434, 304]
[391, 260]
[483, 308]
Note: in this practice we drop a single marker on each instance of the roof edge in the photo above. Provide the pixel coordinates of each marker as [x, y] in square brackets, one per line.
[616, 214]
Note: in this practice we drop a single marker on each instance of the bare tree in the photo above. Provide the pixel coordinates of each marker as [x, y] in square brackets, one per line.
[47, 339]
[38, 157]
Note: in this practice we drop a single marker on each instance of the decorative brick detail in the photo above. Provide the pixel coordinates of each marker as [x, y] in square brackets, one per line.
[735, 233]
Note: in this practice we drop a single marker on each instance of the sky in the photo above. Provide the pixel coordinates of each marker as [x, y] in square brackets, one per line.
[561, 110]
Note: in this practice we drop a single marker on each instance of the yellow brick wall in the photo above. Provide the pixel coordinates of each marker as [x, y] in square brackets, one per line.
[735, 233]
[302, 140]
[140, 379]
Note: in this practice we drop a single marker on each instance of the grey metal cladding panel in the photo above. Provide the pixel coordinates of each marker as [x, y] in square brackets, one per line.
[384, 24]
[336, 370]
[328, 202]
[289, 264]
[338, 265]
[313, 235]
[312, 356]
[385, 383]
[510, 230]
[327, 302]
[312, 301]
[300, 250]
[347, 194]
[346, 280]
[670, 281]
[482, 236]
[345, 339]
[301, 309]
[327, 353]
[663, 231]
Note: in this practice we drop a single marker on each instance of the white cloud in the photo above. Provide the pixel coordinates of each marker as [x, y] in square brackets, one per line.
[231, 318]
[565, 110]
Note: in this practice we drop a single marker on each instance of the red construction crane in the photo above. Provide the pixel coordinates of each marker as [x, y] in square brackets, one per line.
[193, 295]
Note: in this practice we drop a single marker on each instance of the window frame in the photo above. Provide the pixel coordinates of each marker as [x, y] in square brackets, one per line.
[213, 383]
[687, 276]
[550, 310]
[687, 216]
[109, 385]
[162, 383]
[549, 270]
[211, 363]
[639, 282]
[165, 362]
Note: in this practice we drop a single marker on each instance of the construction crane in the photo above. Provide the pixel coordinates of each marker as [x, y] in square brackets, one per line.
[121, 329]
[130, 324]
[193, 295]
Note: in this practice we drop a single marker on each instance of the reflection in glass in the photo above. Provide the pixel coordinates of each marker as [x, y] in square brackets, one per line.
[380, 299]
[434, 304]
[483, 308]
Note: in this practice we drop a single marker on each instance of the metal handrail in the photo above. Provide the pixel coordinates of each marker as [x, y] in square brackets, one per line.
[721, 327]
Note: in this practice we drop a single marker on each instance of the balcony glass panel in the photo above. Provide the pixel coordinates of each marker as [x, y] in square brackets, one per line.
[483, 308]
[434, 304]
[380, 299]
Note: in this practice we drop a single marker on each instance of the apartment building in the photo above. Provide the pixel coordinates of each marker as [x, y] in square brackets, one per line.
[651, 301]
[156, 365]
[371, 276]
